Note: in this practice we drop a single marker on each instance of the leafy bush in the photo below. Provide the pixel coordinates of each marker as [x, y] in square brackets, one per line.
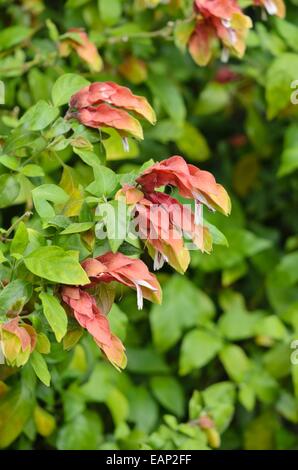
[214, 364]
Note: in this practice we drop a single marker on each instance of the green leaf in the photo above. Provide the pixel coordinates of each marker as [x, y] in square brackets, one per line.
[13, 35]
[235, 362]
[15, 410]
[110, 12]
[105, 182]
[213, 98]
[118, 322]
[66, 86]
[193, 144]
[281, 73]
[288, 31]
[2, 257]
[77, 227]
[218, 238]
[259, 433]
[84, 432]
[9, 162]
[14, 296]
[118, 405]
[220, 399]
[169, 393]
[20, 239]
[145, 361]
[48, 192]
[271, 326]
[9, 190]
[114, 148]
[143, 409]
[169, 95]
[237, 323]
[115, 217]
[88, 157]
[55, 314]
[166, 320]
[39, 116]
[198, 348]
[32, 170]
[289, 156]
[40, 368]
[56, 265]
[281, 283]
[182, 33]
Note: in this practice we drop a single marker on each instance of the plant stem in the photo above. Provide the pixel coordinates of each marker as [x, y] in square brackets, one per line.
[16, 223]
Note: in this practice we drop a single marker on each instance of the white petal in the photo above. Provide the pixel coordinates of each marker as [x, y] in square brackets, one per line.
[225, 55]
[159, 260]
[146, 284]
[270, 7]
[198, 213]
[139, 297]
[233, 36]
[125, 144]
[200, 198]
[226, 23]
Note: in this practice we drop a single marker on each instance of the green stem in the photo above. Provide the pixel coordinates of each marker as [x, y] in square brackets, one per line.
[16, 223]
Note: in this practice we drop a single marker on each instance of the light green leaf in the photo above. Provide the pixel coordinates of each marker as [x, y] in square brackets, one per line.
[77, 227]
[39, 116]
[20, 239]
[118, 322]
[179, 295]
[105, 182]
[48, 192]
[169, 393]
[9, 162]
[13, 35]
[143, 409]
[115, 217]
[9, 190]
[281, 73]
[66, 86]
[289, 156]
[32, 170]
[198, 348]
[193, 144]
[213, 98]
[218, 238]
[88, 157]
[110, 12]
[169, 95]
[288, 31]
[114, 147]
[56, 265]
[55, 314]
[145, 361]
[235, 362]
[15, 410]
[14, 296]
[40, 368]
[84, 432]
[118, 405]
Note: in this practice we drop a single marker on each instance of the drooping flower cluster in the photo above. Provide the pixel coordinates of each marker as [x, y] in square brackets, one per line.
[105, 269]
[272, 7]
[223, 21]
[163, 221]
[18, 340]
[105, 104]
[77, 39]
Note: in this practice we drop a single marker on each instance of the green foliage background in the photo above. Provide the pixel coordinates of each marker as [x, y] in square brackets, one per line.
[220, 343]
